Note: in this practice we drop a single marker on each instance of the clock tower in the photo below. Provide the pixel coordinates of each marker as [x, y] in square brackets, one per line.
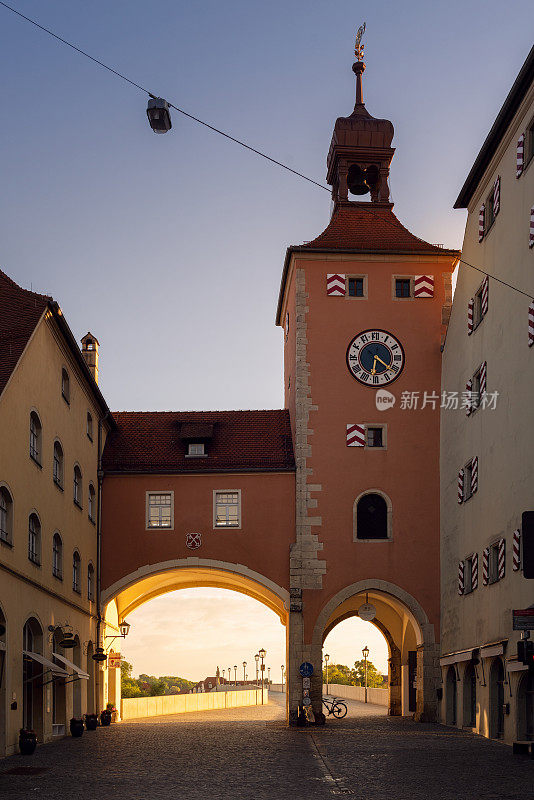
[364, 309]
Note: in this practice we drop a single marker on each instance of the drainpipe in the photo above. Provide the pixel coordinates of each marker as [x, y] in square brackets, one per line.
[100, 475]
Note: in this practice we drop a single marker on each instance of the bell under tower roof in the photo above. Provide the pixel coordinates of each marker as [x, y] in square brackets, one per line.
[360, 151]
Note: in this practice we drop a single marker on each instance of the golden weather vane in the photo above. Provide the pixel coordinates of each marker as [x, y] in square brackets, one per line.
[358, 48]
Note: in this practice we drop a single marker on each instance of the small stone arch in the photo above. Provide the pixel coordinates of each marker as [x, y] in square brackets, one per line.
[496, 698]
[389, 516]
[525, 707]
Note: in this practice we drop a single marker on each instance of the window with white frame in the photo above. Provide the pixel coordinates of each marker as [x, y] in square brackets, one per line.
[35, 437]
[91, 503]
[468, 472]
[77, 486]
[90, 582]
[65, 385]
[493, 566]
[196, 449]
[374, 436]
[475, 391]
[34, 539]
[227, 509]
[160, 512]
[57, 556]
[76, 572]
[477, 308]
[6, 516]
[489, 213]
[468, 575]
[58, 465]
[89, 426]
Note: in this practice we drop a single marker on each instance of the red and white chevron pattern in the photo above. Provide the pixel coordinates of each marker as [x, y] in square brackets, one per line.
[500, 562]
[520, 156]
[474, 571]
[531, 324]
[531, 230]
[485, 295]
[516, 551]
[483, 378]
[460, 577]
[485, 566]
[469, 397]
[461, 486]
[496, 195]
[481, 219]
[474, 474]
[470, 308]
[356, 435]
[423, 286]
[335, 285]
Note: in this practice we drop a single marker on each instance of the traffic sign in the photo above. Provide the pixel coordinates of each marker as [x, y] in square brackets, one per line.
[306, 669]
[306, 693]
[306, 701]
[523, 619]
[306, 683]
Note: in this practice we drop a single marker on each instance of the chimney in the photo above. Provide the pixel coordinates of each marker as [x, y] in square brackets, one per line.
[90, 353]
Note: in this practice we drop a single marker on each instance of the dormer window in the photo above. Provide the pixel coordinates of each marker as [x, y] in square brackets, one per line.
[196, 449]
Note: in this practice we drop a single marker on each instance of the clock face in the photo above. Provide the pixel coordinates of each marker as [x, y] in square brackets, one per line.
[375, 358]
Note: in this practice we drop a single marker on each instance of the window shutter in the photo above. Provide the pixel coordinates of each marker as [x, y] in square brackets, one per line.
[474, 571]
[516, 551]
[461, 486]
[474, 474]
[500, 567]
[481, 220]
[531, 324]
[470, 308]
[485, 566]
[520, 158]
[335, 285]
[423, 286]
[356, 435]
[469, 396]
[460, 577]
[496, 195]
[483, 378]
[485, 295]
[531, 231]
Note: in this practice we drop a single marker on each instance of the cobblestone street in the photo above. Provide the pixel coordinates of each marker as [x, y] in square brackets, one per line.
[248, 754]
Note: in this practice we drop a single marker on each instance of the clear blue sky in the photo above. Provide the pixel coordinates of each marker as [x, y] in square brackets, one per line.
[170, 248]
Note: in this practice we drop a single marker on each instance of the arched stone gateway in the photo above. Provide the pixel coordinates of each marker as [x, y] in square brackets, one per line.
[410, 639]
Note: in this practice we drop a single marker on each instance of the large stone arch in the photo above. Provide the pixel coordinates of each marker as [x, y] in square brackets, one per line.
[152, 580]
[413, 622]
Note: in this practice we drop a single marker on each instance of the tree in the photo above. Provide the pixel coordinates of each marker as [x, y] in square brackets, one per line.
[129, 686]
[374, 678]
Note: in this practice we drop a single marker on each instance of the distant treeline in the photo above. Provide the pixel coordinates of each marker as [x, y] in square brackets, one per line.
[339, 673]
[149, 685]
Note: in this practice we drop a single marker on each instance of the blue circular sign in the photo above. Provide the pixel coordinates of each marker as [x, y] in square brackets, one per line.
[306, 669]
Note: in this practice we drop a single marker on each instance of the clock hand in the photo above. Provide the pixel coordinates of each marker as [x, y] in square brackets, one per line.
[377, 358]
[373, 371]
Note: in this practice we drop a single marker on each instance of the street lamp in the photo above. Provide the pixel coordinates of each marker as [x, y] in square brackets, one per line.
[268, 676]
[282, 668]
[223, 675]
[365, 653]
[326, 659]
[229, 675]
[244, 672]
[257, 658]
[262, 653]
[235, 675]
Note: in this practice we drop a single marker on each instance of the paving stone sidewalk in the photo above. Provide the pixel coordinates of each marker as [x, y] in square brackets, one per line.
[249, 754]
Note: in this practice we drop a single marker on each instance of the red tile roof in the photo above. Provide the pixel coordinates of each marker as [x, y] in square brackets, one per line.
[20, 311]
[368, 227]
[150, 441]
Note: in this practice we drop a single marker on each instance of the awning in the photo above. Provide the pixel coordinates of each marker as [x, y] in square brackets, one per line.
[58, 671]
[78, 670]
[515, 666]
[455, 658]
[493, 649]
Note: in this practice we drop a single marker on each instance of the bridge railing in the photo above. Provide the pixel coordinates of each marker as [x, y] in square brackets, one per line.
[378, 697]
[135, 707]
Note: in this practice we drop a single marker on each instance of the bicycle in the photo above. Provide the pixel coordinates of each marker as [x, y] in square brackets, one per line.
[336, 707]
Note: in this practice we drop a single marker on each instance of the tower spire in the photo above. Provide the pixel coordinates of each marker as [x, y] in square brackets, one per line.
[359, 67]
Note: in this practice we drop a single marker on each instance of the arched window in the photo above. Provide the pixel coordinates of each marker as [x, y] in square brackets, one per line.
[58, 465]
[89, 426]
[91, 510]
[77, 486]
[35, 437]
[6, 516]
[57, 556]
[90, 582]
[76, 572]
[372, 517]
[34, 539]
[65, 385]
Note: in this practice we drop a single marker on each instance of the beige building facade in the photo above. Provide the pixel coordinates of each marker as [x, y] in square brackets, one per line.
[53, 420]
[487, 442]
